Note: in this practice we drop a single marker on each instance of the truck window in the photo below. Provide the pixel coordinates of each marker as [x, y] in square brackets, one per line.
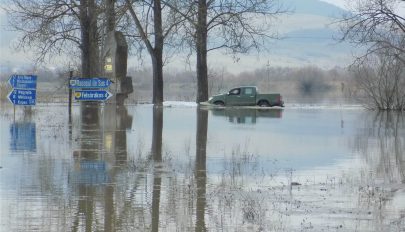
[248, 91]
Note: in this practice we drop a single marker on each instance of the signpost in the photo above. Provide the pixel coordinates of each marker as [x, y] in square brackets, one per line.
[89, 83]
[92, 95]
[23, 81]
[26, 97]
[24, 90]
[90, 89]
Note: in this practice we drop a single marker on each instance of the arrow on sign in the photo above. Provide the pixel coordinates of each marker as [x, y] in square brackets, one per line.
[23, 81]
[82, 83]
[92, 95]
[25, 97]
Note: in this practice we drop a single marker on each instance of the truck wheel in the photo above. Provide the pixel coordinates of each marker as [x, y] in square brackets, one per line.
[219, 103]
[263, 104]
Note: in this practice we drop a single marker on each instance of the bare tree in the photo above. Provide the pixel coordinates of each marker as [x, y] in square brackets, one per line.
[236, 26]
[55, 27]
[376, 24]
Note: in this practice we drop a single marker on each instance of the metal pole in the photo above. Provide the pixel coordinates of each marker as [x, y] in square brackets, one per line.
[70, 97]
[268, 75]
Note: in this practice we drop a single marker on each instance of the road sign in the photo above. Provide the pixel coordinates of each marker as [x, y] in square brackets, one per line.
[25, 97]
[23, 81]
[92, 95]
[83, 83]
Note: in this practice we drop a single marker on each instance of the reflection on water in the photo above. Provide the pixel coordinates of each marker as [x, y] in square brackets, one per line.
[147, 168]
[101, 153]
[23, 137]
[23, 133]
[200, 168]
[382, 143]
[156, 152]
[246, 115]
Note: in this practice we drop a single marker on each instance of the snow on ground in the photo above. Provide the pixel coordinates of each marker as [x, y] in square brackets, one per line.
[182, 104]
[179, 104]
[287, 106]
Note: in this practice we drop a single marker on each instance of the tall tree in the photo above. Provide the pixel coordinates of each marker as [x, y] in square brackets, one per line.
[201, 32]
[236, 26]
[154, 40]
[55, 27]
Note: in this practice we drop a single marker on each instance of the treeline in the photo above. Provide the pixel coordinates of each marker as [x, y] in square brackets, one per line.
[296, 83]
[293, 83]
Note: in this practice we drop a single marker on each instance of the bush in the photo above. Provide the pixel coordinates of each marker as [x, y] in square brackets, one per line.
[311, 81]
[382, 79]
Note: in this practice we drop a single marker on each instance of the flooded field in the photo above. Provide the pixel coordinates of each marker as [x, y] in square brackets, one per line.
[181, 168]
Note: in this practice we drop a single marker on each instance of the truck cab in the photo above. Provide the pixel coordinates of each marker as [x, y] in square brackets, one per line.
[242, 96]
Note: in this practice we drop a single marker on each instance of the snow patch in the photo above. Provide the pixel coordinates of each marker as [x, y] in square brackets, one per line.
[179, 104]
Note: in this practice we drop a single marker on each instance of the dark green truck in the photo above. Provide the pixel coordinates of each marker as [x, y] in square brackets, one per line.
[246, 96]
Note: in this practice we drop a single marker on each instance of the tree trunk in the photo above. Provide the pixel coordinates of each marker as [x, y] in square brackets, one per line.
[201, 47]
[85, 47]
[157, 66]
[157, 56]
[90, 54]
[110, 15]
[89, 39]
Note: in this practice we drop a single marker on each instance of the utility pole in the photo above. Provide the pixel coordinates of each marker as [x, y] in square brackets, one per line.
[268, 75]
[70, 97]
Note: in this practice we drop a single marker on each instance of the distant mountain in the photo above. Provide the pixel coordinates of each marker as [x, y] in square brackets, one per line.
[315, 35]
[310, 37]
[313, 7]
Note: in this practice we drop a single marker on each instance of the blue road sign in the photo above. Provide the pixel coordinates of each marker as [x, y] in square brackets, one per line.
[95, 83]
[92, 95]
[25, 97]
[23, 137]
[23, 81]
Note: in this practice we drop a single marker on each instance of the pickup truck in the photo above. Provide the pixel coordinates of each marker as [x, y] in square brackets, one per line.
[246, 96]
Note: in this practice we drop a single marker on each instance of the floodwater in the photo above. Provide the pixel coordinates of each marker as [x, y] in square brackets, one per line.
[181, 168]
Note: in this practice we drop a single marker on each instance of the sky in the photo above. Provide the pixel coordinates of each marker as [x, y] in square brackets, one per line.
[308, 40]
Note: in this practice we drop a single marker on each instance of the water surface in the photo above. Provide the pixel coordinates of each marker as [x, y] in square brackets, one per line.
[180, 168]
